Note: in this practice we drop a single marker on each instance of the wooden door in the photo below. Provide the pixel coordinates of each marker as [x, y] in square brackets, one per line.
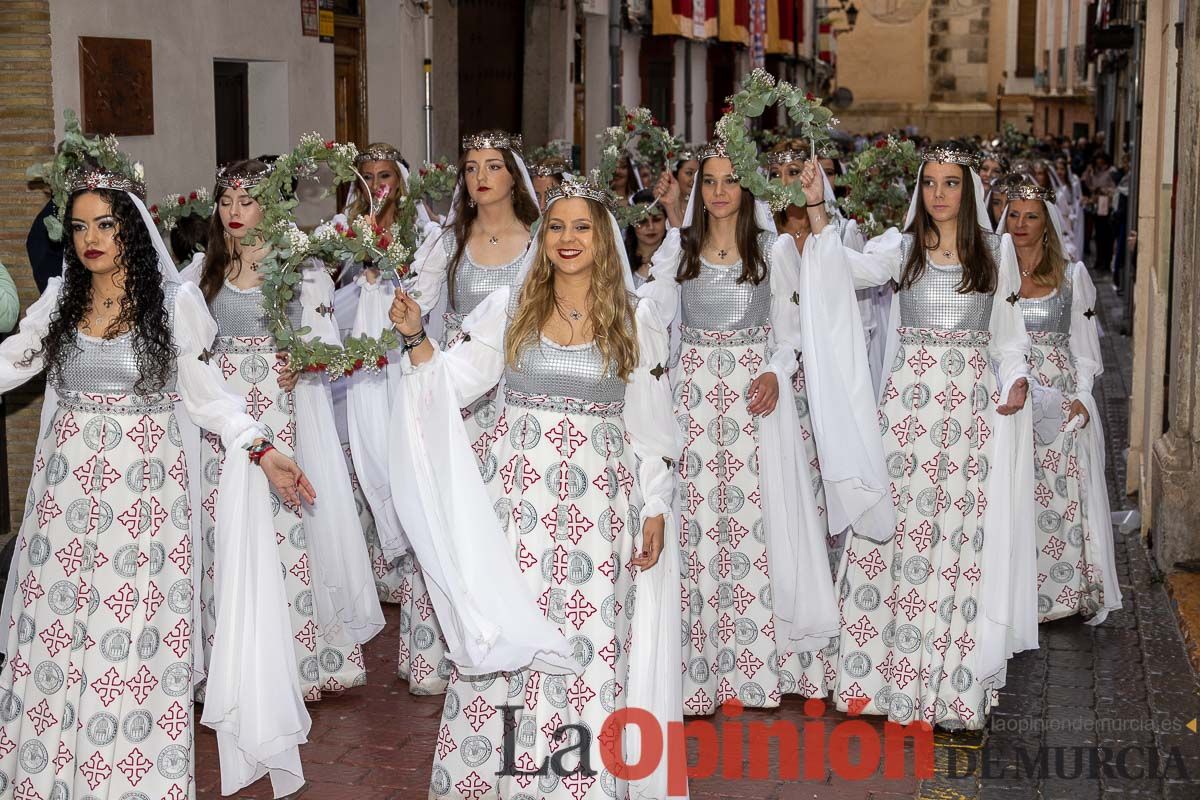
[656, 62]
[722, 62]
[350, 77]
[491, 64]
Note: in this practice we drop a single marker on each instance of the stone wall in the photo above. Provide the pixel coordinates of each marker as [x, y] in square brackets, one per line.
[26, 136]
[958, 45]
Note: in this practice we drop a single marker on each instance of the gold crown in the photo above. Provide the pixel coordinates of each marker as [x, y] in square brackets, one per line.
[786, 156]
[229, 179]
[548, 167]
[90, 178]
[492, 141]
[950, 154]
[379, 152]
[575, 187]
[1029, 190]
[713, 150]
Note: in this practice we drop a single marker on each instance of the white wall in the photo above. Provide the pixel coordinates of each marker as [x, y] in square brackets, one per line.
[187, 37]
[396, 80]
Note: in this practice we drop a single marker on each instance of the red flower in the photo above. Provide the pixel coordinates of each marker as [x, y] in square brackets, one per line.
[320, 367]
[422, 172]
[384, 241]
[358, 362]
[348, 373]
[350, 234]
[728, 109]
[629, 126]
[809, 96]
[329, 144]
[154, 209]
[182, 202]
[381, 362]
[654, 121]
[192, 196]
[881, 144]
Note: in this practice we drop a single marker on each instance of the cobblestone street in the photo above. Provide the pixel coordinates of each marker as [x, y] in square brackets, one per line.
[1123, 686]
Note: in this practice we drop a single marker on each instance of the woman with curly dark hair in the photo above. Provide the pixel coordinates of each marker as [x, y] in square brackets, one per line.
[100, 641]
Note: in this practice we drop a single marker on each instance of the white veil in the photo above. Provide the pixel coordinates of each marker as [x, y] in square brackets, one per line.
[980, 207]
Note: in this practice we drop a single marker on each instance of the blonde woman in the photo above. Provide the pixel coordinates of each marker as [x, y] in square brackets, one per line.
[533, 569]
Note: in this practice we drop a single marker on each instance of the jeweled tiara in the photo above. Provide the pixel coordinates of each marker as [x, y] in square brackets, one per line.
[574, 187]
[1028, 190]
[492, 141]
[92, 178]
[950, 154]
[786, 156]
[379, 152]
[229, 179]
[548, 167]
[713, 150]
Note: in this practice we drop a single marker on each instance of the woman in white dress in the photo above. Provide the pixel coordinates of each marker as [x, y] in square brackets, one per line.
[480, 249]
[96, 694]
[749, 536]
[1075, 552]
[534, 569]
[323, 554]
[931, 611]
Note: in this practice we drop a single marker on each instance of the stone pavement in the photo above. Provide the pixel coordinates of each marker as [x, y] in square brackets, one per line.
[1085, 716]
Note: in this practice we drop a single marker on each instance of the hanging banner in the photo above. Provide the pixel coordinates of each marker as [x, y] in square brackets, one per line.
[691, 19]
[785, 27]
[758, 33]
[734, 21]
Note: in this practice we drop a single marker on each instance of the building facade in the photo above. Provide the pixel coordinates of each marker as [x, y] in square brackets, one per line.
[1064, 89]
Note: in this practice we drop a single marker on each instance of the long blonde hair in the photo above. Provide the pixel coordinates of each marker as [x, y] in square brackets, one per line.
[611, 312]
[362, 197]
[1053, 267]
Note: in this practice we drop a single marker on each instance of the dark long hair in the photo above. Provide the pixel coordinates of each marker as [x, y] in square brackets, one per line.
[218, 256]
[754, 265]
[979, 269]
[524, 206]
[143, 309]
[189, 236]
[631, 241]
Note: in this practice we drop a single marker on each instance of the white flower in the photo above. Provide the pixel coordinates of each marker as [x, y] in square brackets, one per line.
[139, 171]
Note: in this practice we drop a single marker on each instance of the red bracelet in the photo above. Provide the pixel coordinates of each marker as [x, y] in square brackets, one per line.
[257, 453]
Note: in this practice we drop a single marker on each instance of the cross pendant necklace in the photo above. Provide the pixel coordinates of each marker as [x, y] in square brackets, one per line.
[722, 253]
[108, 303]
[493, 240]
[575, 315]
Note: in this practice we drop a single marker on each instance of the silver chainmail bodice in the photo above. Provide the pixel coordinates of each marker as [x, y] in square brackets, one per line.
[935, 302]
[239, 312]
[473, 282]
[108, 366]
[577, 372]
[1049, 314]
[715, 301]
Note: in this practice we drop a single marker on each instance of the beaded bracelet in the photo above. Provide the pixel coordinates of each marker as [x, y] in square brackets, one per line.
[415, 341]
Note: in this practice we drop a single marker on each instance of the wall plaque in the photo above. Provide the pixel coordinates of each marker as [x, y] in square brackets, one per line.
[116, 86]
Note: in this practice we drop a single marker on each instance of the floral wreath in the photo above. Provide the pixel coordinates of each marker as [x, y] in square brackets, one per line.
[654, 144]
[760, 90]
[74, 150]
[175, 207]
[290, 248]
[559, 149]
[875, 179]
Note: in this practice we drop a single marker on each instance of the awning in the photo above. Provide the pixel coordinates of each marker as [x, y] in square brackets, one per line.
[691, 19]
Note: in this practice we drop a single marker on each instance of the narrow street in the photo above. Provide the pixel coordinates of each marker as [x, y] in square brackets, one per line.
[1125, 686]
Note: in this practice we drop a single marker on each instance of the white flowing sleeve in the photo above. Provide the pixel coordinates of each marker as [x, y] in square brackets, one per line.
[252, 698]
[209, 401]
[1009, 348]
[880, 261]
[840, 388]
[649, 414]
[1085, 333]
[662, 287]
[476, 363]
[655, 650]
[1008, 621]
[1085, 352]
[316, 306]
[430, 264]
[28, 338]
[345, 603]
[488, 614]
[369, 399]
[785, 312]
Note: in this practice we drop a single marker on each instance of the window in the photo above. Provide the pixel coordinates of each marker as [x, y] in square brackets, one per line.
[1026, 38]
